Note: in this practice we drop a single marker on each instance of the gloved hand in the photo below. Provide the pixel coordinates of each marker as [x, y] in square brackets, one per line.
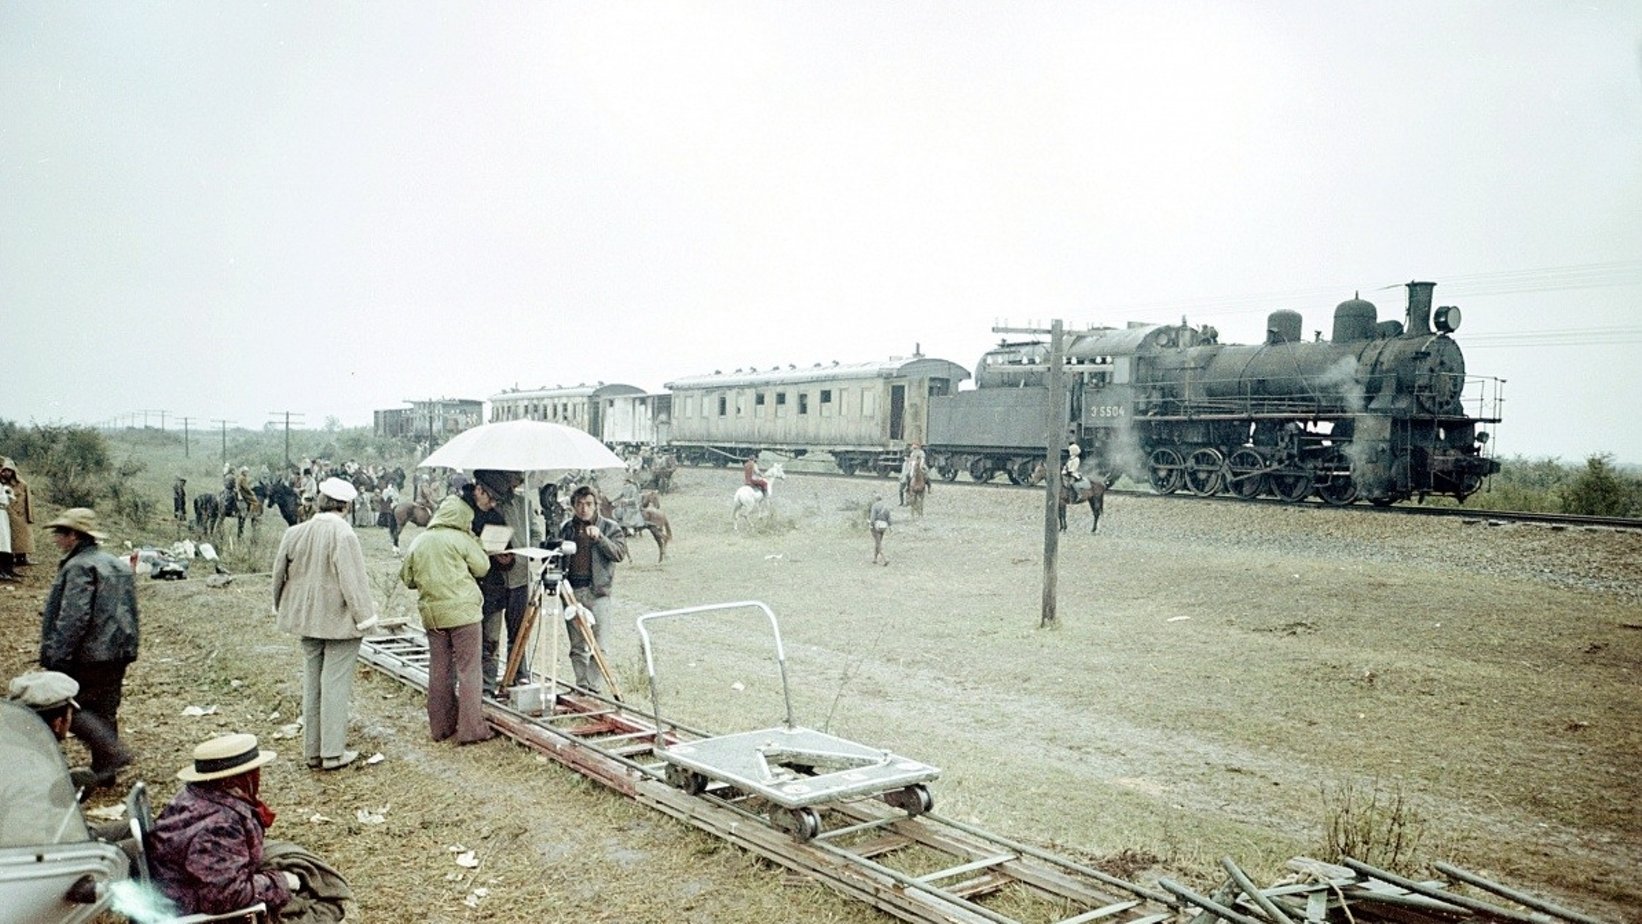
[368, 624]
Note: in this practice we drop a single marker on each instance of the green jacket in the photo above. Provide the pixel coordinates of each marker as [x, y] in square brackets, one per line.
[442, 566]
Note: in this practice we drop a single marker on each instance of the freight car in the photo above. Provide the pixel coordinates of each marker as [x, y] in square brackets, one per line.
[863, 414]
[1376, 412]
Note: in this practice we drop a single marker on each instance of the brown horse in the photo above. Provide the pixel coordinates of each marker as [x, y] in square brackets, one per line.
[917, 487]
[654, 521]
[408, 512]
[1079, 490]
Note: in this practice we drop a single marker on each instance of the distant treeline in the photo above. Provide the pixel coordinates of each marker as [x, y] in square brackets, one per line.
[128, 473]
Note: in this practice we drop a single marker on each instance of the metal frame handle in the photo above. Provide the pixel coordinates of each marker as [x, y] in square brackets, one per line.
[650, 660]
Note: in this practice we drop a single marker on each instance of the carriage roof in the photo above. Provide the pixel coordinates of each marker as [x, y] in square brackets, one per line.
[600, 390]
[829, 372]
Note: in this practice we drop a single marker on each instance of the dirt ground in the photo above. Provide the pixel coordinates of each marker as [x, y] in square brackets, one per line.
[1223, 679]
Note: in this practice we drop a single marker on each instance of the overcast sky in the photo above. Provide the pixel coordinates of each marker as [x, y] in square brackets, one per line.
[227, 209]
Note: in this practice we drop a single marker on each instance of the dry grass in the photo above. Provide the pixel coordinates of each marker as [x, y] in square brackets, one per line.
[1500, 712]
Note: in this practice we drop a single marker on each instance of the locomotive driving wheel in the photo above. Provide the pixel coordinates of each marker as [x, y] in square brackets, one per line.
[948, 472]
[1164, 470]
[1246, 474]
[1204, 472]
[1291, 483]
[1334, 484]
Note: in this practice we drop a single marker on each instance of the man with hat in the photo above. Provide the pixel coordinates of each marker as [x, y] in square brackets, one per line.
[323, 596]
[35, 796]
[88, 630]
[506, 587]
[20, 514]
[205, 850]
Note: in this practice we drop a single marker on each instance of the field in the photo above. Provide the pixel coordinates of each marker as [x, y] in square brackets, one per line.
[1224, 680]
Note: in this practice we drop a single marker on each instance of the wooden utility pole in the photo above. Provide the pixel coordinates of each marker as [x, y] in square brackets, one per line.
[224, 425]
[185, 422]
[1055, 424]
[287, 415]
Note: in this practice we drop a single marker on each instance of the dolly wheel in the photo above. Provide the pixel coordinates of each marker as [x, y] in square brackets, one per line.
[914, 800]
[686, 779]
[802, 823]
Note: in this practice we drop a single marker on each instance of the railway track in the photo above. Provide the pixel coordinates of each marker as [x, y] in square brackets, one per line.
[929, 868]
[1555, 520]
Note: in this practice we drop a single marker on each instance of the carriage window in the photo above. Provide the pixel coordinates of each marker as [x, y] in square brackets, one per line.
[803, 402]
[723, 405]
[758, 399]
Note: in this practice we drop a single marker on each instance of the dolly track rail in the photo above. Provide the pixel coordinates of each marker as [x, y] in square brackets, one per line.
[943, 867]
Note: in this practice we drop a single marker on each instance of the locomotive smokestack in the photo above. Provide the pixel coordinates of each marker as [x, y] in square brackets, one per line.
[1419, 308]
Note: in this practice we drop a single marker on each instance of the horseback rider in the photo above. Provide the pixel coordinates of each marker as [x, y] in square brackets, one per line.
[753, 477]
[914, 462]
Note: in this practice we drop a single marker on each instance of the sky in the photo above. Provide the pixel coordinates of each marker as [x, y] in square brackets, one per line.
[230, 210]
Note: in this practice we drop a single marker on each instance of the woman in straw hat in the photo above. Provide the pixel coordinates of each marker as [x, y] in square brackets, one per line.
[206, 847]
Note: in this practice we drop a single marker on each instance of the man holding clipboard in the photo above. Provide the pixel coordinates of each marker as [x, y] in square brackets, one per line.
[498, 520]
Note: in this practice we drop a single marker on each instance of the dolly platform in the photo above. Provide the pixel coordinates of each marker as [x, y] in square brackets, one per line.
[793, 768]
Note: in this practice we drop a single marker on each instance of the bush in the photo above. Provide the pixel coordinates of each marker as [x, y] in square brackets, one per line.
[1375, 827]
[1600, 491]
[73, 461]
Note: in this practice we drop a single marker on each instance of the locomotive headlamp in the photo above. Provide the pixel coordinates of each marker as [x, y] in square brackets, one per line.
[1447, 319]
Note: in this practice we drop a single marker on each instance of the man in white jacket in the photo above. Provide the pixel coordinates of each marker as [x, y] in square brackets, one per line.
[322, 595]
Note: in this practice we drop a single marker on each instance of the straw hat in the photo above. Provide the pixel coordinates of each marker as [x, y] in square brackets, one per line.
[79, 519]
[228, 755]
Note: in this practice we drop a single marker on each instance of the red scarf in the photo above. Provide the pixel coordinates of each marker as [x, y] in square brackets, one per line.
[246, 786]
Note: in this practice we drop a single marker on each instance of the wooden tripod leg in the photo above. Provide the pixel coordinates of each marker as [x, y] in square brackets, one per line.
[516, 646]
[598, 656]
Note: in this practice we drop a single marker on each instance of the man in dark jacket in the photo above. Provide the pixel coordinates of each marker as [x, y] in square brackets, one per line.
[600, 543]
[88, 631]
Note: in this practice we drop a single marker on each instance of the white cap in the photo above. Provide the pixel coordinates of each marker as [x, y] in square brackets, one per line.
[337, 489]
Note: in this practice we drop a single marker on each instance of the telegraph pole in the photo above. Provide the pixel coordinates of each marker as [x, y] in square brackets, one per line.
[185, 422]
[287, 415]
[224, 425]
[1054, 434]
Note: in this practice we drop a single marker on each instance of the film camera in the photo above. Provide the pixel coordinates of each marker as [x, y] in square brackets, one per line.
[555, 552]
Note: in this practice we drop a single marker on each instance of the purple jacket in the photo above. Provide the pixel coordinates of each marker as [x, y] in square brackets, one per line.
[206, 854]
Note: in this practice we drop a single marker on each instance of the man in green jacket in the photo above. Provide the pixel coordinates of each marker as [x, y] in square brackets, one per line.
[442, 566]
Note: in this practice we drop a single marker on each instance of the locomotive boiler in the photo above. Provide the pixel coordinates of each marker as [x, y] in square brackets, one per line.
[1376, 412]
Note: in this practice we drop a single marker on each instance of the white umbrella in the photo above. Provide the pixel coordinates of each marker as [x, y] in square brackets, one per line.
[523, 446]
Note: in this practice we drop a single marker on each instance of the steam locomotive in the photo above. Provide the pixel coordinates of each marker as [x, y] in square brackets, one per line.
[1377, 412]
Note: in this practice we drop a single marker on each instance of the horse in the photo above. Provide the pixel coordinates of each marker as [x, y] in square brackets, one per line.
[408, 512]
[652, 519]
[234, 506]
[659, 474]
[749, 502]
[916, 487]
[207, 513]
[1080, 489]
[280, 495]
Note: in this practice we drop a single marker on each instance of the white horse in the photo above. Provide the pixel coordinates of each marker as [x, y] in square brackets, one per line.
[750, 503]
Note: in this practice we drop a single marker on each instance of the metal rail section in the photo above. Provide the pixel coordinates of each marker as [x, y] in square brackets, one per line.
[928, 868]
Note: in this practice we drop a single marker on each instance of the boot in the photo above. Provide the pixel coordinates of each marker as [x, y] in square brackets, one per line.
[6, 574]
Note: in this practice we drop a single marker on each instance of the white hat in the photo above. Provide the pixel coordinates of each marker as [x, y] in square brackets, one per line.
[337, 489]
